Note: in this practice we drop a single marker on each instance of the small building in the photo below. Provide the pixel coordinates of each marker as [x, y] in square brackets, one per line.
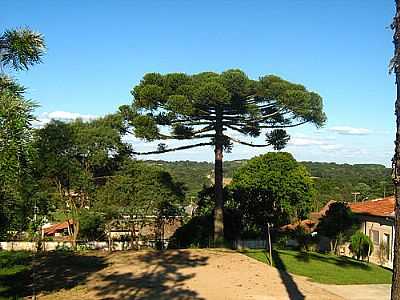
[62, 229]
[377, 221]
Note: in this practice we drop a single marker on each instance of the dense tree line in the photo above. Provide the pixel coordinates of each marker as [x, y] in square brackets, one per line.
[332, 181]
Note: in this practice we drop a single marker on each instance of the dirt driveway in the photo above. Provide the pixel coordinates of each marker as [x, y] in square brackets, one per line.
[183, 275]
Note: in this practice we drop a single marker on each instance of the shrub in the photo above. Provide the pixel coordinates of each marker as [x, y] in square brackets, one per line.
[361, 245]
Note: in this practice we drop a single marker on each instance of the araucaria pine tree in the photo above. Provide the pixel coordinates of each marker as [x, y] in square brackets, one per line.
[205, 108]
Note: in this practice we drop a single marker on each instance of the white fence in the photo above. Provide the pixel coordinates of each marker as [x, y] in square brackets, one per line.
[51, 245]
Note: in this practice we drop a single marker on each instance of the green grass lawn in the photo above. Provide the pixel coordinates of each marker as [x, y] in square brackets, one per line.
[325, 268]
[15, 274]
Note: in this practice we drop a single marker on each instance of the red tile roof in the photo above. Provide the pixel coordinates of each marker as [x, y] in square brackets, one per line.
[382, 207]
[308, 225]
[57, 227]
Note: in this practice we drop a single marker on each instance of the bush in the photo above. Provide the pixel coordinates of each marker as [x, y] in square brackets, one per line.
[361, 245]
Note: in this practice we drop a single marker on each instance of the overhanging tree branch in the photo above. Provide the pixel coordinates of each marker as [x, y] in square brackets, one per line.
[170, 150]
[247, 144]
[284, 126]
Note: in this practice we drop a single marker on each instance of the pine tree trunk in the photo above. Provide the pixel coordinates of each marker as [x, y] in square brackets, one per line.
[396, 160]
[218, 173]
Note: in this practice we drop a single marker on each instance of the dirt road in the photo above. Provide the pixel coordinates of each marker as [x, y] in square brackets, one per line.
[183, 274]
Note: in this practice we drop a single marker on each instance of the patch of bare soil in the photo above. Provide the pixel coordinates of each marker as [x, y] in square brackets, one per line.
[176, 274]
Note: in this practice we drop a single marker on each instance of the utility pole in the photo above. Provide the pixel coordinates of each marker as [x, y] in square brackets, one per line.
[269, 243]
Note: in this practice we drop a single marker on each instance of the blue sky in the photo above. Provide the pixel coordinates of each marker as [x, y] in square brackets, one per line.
[98, 50]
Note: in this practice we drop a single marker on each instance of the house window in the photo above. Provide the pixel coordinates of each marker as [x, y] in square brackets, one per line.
[374, 235]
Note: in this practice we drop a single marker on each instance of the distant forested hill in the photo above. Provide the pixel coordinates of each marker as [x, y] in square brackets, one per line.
[332, 181]
[339, 181]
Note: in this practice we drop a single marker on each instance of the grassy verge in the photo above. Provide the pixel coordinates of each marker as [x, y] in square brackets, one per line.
[325, 268]
[15, 267]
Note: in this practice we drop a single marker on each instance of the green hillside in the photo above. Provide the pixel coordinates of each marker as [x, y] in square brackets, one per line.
[332, 181]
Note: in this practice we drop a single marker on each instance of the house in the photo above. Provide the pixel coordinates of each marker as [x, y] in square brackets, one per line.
[62, 229]
[377, 221]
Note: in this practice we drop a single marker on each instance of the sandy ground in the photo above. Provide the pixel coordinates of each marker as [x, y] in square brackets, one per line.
[189, 274]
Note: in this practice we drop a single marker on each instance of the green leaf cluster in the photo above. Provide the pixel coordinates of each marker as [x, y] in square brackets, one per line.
[21, 48]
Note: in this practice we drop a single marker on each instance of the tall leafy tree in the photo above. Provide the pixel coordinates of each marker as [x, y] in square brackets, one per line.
[19, 50]
[338, 224]
[210, 106]
[395, 66]
[272, 188]
[144, 193]
[16, 153]
[73, 158]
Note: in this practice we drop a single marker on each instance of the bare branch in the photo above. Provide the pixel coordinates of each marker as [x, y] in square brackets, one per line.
[285, 126]
[205, 129]
[236, 129]
[173, 149]
[247, 144]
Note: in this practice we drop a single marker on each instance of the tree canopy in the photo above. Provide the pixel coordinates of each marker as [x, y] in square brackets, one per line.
[272, 188]
[338, 224]
[142, 190]
[210, 106]
[185, 103]
[138, 195]
[73, 158]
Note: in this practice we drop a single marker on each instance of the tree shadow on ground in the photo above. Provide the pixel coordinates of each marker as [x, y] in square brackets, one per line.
[287, 279]
[53, 271]
[161, 279]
